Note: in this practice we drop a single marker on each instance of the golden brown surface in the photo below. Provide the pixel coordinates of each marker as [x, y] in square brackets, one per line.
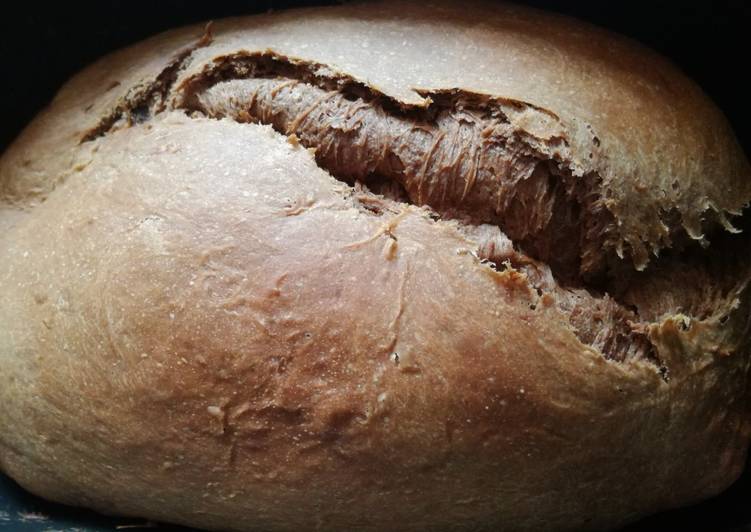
[202, 325]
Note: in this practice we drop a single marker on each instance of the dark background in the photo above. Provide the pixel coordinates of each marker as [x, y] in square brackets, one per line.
[42, 45]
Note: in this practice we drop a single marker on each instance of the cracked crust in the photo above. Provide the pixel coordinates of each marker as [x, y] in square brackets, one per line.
[680, 171]
[463, 158]
[203, 326]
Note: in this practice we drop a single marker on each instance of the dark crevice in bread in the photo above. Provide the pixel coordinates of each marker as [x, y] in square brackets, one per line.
[615, 330]
[464, 155]
[599, 320]
[464, 161]
[464, 158]
[144, 100]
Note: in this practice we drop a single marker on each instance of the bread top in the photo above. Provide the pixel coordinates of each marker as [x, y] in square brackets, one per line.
[659, 155]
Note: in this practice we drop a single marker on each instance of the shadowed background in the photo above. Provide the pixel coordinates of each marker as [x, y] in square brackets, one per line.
[43, 45]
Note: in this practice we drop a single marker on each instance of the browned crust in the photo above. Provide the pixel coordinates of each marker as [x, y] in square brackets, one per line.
[202, 326]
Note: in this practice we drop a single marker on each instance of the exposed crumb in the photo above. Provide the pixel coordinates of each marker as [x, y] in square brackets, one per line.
[139, 105]
[449, 161]
[485, 163]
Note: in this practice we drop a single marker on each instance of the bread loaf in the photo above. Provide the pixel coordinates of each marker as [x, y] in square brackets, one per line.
[378, 266]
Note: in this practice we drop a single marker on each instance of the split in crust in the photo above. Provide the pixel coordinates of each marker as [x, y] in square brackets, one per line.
[464, 161]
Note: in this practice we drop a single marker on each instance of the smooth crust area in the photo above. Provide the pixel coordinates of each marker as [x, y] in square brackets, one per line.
[202, 325]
